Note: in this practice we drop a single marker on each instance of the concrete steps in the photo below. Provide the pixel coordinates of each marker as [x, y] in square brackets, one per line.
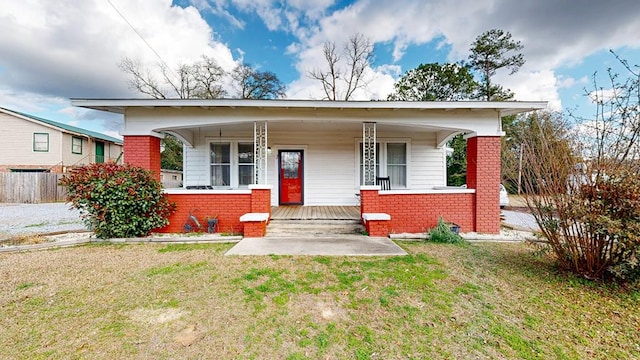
[315, 228]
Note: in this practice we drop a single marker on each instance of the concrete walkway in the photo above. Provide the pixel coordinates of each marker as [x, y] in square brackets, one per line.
[520, 220]
[339, 245]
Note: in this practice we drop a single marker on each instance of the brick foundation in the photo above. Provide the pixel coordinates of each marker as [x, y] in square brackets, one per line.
[227, 207]
[415, 213]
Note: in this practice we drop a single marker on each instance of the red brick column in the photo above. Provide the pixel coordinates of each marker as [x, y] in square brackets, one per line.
[369, 200]
[143, 151]
[260, 199]
[483, 174]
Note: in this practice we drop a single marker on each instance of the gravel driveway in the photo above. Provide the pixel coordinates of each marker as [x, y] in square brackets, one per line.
[24, 219]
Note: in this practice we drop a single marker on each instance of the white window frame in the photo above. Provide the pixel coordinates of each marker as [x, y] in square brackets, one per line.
[39, 142]
[239, 164]
[234, 174]
[73, 145]
[382, 154]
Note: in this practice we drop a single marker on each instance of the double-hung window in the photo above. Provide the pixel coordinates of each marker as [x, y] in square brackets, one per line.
[41, 142]
[397, 164]
[231, 164]
[245, 164]
[391, 161]
[221, 165]
[76, 145]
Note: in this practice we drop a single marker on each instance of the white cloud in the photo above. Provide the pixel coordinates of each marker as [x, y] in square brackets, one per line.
[531, 85]
[389, 69]
[553, 33]
[604, 95]
[565, 82]
[71, 48]
[218, 7]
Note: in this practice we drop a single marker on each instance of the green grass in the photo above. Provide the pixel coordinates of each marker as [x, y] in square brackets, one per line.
[36, 225]
[440, 302]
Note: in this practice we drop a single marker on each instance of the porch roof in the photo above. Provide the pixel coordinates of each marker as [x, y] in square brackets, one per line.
[119, 106]
[181, 116]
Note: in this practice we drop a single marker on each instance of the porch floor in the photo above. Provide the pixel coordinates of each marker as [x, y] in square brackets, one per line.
[299, 212]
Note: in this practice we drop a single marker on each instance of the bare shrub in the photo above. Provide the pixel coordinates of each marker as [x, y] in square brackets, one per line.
[583, 182]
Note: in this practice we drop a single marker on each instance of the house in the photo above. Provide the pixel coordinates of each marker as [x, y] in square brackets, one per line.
[34, 144]
[241, 157]
[171, 178]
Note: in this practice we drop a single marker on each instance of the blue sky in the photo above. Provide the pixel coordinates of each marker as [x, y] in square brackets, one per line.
[71, 48]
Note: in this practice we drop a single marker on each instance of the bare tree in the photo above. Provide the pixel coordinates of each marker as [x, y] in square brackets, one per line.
[251, 83]
[200, 80]
[344, 72]
[141, 78]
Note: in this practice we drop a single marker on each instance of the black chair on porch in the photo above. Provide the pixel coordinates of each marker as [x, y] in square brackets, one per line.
[384, 183]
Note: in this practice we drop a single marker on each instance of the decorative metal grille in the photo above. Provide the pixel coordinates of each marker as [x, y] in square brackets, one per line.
[369, 153]
[260, 149]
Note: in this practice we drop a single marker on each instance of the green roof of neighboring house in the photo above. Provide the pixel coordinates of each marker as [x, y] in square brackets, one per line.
[66, 127]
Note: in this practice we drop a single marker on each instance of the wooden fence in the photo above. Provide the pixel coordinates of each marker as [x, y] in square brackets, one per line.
[24, 187]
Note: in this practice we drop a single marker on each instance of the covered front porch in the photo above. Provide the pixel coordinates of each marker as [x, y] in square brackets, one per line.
[245, 160]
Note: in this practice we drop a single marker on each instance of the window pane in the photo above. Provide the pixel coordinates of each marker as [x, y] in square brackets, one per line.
[220, 164]
[397, 164]
[396, 153]
[245, 153]
[220, 175]
[76, 145]
[245, 175]
[398, 175]
[40, 142]
[220, 153]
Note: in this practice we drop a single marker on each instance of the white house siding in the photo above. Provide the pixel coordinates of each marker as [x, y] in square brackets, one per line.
[329, 165]
[428, 163]
[16, 147]
[330, 160]
[71, 159]
[194, 165]
[111, 150]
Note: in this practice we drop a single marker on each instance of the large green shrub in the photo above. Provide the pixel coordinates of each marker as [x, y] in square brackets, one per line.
[118, 201]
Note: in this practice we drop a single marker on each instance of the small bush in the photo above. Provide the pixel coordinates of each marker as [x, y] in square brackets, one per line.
[442, 234]
[118, 201]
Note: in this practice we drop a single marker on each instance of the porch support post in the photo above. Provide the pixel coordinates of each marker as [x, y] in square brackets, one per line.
[143, 151]
[368, 153]
[483, 174]
[260, 152]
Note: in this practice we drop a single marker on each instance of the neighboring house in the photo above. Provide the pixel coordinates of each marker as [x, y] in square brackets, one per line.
[243, 156]
[171, 178]
[32, 144]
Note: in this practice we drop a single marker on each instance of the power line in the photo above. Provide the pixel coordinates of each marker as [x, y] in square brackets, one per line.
[141, 37]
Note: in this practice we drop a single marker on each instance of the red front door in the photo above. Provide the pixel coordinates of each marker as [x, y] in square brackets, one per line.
[290, 170]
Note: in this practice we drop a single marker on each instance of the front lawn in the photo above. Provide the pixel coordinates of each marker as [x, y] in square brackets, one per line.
[190, 301]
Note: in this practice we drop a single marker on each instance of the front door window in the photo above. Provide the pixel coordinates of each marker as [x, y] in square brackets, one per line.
[290, 170]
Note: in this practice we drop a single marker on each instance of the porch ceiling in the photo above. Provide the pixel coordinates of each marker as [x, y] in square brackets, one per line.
[443, 134]
[311, 125]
